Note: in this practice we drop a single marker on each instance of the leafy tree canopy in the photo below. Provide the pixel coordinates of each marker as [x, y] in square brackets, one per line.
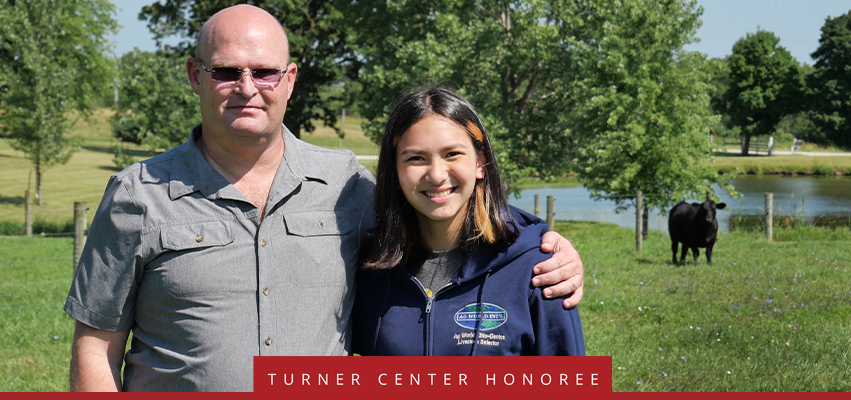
[600, 88]
[640, 112]
[830, 83]
[508, 58]
[764, 84]
[52, 67]
[156, 105]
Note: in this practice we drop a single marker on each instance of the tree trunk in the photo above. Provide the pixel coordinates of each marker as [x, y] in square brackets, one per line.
[38, 183]
[746, 146]
[37, 160]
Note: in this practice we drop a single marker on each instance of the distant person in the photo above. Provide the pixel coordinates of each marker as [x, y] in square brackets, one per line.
[449, 272]
[770, 146]
[241, 242]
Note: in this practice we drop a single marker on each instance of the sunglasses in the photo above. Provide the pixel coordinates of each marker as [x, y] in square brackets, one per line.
[262, 76]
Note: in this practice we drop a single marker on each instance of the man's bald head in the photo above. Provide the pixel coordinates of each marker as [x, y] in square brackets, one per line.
[229, 24]
[240, 111]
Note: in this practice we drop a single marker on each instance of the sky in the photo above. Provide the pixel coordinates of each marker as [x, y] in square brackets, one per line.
[796, 22]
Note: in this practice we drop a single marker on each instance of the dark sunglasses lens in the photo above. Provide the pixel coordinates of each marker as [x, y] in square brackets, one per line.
[266, 75]
[226, 74]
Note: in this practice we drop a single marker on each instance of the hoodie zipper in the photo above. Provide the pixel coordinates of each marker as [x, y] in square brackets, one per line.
[429, 303]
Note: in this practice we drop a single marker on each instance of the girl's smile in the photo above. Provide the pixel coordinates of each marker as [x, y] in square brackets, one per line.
[441, 196]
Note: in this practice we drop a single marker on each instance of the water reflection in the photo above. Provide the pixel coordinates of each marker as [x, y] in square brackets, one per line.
[819, 200]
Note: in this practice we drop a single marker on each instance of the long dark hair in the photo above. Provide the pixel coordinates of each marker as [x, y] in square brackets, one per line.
[397, 231]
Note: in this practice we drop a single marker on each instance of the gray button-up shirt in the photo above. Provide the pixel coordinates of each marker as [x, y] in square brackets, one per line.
[179, 256]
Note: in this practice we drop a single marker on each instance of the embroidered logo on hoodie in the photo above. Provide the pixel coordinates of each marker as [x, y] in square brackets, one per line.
[491, 315]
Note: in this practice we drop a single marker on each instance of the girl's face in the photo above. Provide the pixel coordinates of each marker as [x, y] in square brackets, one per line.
[438, 168]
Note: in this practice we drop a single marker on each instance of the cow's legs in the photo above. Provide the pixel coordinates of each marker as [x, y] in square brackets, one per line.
[674, 245]
[683, 254]
[696, 253]
[709, 253]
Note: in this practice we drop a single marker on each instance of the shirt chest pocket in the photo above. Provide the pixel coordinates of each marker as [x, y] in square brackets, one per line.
[323, 248]
[198, 259]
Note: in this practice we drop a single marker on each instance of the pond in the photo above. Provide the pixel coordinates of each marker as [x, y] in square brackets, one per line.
[797, 199]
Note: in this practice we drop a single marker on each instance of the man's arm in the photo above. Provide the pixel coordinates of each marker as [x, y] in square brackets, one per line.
[96, 359]
[564, 271]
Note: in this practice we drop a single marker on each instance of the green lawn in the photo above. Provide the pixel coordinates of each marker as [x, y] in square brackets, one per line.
[765, 317]
[35, 334]
[788, 164]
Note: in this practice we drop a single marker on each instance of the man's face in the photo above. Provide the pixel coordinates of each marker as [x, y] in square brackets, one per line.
[242, 108]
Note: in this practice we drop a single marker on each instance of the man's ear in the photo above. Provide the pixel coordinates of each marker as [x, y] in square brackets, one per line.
[290, 79]
[193, 72]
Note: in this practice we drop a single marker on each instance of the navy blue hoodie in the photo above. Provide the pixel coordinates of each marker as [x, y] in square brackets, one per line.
[394, 316]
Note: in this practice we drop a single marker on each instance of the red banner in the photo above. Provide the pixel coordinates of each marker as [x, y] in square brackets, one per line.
[427, 377]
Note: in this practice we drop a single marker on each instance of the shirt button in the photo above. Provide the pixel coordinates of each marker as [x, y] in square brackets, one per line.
[269, 342]
[199, 238]
[262, 243]
[266, 292]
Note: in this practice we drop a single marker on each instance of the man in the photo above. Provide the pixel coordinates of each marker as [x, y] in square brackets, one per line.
[243, 241]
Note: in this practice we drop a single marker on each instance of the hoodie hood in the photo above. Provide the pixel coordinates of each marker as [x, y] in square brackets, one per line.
[531, 230]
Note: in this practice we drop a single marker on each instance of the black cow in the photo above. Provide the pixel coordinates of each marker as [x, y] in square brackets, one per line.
[694, 225]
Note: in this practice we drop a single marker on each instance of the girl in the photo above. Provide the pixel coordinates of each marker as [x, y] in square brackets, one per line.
[449, 271]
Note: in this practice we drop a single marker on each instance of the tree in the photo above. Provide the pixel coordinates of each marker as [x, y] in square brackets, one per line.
[506, 57]
[52, 54]
[157, 106]
[764, 83]
[318, 46]
[719, 79]
[641, 106]
[830, 83]
[600, 88]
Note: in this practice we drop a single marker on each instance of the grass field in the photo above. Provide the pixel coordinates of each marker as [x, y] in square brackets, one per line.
[35, 334]
[783, 164]
[765, 317]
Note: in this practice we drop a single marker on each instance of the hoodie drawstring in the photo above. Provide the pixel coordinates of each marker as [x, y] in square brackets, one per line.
[480, 314]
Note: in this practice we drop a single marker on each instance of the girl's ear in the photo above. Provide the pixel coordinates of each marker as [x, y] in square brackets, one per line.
[480, 166]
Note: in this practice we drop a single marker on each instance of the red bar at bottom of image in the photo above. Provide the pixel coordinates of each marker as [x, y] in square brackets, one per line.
[427, 377]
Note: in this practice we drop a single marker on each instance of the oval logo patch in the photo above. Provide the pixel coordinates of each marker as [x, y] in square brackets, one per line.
[492, 315]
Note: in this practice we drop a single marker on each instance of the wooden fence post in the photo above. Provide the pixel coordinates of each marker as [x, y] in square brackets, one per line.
[80, 222]
[551, 211]
[769, 216]
[28, 212]
[638, 221]
[538, 205]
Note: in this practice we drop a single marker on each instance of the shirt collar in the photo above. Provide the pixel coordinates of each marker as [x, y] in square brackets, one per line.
[191, 172]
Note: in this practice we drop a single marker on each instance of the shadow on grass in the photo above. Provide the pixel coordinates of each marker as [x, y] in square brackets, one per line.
[15, 201]
[129, 152]
[721, 154]
[110, 168]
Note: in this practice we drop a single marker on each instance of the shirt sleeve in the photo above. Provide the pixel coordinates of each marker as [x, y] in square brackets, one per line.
[558, 332]
[364, 193]
[103, 290]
